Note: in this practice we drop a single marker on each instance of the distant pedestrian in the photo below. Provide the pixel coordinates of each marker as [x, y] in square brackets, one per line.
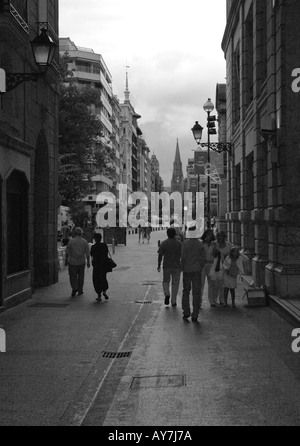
[233, 267]
[141, 233]
[77, 252]
[208, 239]
[170, 252]
[193, 258]
[179, 233]
[99, 254]
[148, 231]
[222, 250]
[66, 232]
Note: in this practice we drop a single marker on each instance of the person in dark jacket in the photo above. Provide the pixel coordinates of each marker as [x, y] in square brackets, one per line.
[192, 260]
[99, 254]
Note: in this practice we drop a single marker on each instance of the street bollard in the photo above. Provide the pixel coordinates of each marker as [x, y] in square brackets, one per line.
[158, 243]
[113, 245]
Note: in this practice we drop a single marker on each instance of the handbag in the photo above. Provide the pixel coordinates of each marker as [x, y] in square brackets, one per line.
[110, 264]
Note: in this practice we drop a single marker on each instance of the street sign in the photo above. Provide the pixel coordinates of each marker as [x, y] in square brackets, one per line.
[212, 172]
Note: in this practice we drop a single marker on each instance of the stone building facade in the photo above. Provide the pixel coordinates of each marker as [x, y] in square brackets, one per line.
[261, 46]
[28, 154]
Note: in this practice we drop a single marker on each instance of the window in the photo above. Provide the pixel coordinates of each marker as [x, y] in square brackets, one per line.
[17, 222]
[236, 90]
[249, 36]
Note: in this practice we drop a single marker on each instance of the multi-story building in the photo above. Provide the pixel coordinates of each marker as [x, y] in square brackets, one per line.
[222, 158]
[130, 132]
[28, 152]
[89, 69]
[115, 138]
[157, 184]
[144, 172]
[261, 46]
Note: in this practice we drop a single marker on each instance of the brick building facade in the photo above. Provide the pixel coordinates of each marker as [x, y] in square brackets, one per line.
[261, 46]
[28, 154]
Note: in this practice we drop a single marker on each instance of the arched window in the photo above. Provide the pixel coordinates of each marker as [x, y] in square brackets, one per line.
[17, 222]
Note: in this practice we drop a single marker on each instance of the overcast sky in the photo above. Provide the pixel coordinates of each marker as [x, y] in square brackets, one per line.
[173, 48]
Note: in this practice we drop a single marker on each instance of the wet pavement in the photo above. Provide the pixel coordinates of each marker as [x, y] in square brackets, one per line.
[133, 362]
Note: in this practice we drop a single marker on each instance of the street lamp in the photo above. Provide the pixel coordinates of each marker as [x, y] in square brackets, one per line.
[43, 49]
[208, 108]
[197, 132]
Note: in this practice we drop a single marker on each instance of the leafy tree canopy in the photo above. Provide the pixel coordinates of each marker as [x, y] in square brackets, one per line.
[80, 149]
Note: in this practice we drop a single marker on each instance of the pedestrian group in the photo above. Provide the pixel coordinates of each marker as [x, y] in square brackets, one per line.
[207, 258]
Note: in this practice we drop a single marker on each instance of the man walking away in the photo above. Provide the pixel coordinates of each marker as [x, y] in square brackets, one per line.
[77, 252]
[170, 251]
[192, 260]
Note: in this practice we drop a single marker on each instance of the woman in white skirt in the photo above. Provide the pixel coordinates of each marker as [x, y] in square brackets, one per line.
[232, 268]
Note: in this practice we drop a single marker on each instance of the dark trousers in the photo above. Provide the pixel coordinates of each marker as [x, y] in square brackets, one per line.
[191, 282]
[76, 274]
[99, 280]
[226, 292]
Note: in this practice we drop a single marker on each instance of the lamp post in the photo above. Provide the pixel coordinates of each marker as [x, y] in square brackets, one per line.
[197, 132]
[208, 107]
[218, 147]
[43, 49]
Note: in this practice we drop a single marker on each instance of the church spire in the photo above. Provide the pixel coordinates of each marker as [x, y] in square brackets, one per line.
[177, 178]
[127, 92]
[177, 155]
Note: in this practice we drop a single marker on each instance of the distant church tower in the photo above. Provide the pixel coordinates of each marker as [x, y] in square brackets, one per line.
[177, 183]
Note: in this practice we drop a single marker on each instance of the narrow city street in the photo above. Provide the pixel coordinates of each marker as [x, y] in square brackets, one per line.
[133, 362]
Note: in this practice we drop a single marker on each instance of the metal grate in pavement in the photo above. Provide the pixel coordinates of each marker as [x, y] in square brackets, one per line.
[144, 382]
[117, 355]
[143, 302]
[48, 305]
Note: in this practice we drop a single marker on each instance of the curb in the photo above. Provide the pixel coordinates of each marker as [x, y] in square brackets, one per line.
[286, 309]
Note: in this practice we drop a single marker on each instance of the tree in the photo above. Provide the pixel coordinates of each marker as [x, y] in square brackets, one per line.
[80, 147]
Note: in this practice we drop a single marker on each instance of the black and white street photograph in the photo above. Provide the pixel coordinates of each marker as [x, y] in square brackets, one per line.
[150, 216]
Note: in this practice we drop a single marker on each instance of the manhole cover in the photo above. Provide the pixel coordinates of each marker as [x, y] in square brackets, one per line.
[144, 382]
[48, 305]
[116, 354]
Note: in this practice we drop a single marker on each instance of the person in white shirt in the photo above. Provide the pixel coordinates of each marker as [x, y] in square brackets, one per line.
[77, 252]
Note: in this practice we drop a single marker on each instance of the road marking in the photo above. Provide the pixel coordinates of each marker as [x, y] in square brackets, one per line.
[82, 413]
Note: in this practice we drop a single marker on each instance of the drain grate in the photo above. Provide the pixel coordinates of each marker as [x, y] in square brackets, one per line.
[143, 301]
[144, 382]
[116, 354]
[48, 305]
[149, 283]
[122, 268]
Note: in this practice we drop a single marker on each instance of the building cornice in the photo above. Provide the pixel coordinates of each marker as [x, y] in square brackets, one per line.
[231, 18]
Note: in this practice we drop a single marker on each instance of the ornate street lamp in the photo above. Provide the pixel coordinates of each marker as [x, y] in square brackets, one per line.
[43, 49]
[197, 132]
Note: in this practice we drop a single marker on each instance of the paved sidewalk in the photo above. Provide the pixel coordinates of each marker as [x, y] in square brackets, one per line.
[235, 367]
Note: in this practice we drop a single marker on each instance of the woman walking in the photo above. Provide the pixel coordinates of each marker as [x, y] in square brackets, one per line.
[233, 268]
[209, 244]
[99, 254]
[222, 250]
